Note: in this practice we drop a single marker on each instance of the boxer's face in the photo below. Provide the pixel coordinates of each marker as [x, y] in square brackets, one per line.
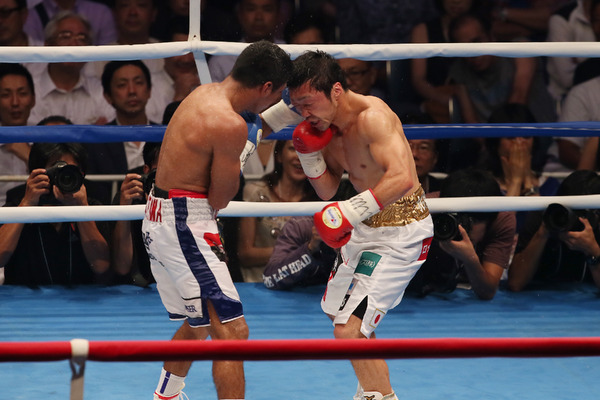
[315, 106]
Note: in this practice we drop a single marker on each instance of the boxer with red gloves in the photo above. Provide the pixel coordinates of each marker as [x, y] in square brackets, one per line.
[384, 232]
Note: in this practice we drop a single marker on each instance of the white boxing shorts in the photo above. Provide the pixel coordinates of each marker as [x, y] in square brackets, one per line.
[374, 268]
[187, 258]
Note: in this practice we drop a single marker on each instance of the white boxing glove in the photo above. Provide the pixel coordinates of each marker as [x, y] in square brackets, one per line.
[282, 114]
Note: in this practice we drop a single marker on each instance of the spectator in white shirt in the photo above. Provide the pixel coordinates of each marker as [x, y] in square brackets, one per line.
[17, 97]
[101, 19]
[61, 87]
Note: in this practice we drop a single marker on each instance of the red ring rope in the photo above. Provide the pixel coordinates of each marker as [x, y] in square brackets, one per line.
[306, 349]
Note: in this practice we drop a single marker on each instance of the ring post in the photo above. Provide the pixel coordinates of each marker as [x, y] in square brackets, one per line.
[79, 354]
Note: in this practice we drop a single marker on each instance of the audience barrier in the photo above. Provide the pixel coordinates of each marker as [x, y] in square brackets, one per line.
[80, 350]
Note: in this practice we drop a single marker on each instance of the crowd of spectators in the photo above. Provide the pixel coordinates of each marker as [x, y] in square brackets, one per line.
[488, 250]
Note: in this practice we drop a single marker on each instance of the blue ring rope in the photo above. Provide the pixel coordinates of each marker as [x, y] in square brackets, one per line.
[154, 133]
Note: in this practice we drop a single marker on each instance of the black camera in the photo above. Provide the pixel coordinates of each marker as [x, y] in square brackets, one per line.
[445, 226]
[559, 218]
[66, 177]
[148, 181]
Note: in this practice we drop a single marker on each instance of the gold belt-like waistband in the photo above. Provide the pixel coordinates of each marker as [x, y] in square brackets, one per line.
[408, 209]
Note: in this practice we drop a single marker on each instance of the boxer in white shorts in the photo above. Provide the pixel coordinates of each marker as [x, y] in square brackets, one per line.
[187, 258]
[374, 268]
[384, 231]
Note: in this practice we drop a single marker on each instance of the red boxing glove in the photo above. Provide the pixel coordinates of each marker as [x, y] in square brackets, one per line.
[336, 221]
[308, 139]
[308, 142]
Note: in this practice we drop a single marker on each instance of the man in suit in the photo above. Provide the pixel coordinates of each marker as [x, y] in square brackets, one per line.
[127, 88]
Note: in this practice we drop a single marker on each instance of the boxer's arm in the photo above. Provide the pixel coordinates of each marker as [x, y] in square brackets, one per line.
[389, 149]
[228, 141]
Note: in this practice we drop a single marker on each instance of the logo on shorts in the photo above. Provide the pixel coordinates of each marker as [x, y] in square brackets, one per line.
[376, 319]
[190, 308]
[332, 217]
[367, 263]
[425, 246]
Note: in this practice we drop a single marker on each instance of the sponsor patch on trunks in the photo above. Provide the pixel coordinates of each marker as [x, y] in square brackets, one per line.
[367, 263]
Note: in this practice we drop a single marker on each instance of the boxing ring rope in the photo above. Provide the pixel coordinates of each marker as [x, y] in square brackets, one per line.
[80, 350]
[277, 209]
[300, 349]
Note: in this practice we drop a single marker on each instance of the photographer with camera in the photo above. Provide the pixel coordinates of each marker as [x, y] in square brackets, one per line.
[468, 249]
[129, 258]
[58, 252]
[559, 245]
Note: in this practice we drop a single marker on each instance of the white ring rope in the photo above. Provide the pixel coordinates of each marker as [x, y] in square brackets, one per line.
[275, 209]
[373, 52]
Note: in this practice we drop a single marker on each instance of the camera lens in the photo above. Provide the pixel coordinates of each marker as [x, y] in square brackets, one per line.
[445, 227]
[67, 178]
[559, 218]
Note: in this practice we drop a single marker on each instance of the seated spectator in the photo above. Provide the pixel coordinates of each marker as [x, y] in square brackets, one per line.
[126, 86]
[61, 88]
[101, 18]
[17, 98]
[516, 161]
[129, 258]
[567, 250]
[300, 257]
[478, 251]
[257, 235]
[56, 253]
[571, 23]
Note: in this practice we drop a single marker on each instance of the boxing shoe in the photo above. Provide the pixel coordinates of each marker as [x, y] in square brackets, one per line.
[378, 396]
[179, 396]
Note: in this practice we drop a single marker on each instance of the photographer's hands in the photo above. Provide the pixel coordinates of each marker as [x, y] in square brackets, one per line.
[483, 277]
[463, 249]
[131, 189]
[36, 186]
[583, 241]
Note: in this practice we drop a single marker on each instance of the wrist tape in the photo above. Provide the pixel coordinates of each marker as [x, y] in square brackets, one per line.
[313, 164]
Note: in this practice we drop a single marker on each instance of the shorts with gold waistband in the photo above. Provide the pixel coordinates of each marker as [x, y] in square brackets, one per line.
[402, 212]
